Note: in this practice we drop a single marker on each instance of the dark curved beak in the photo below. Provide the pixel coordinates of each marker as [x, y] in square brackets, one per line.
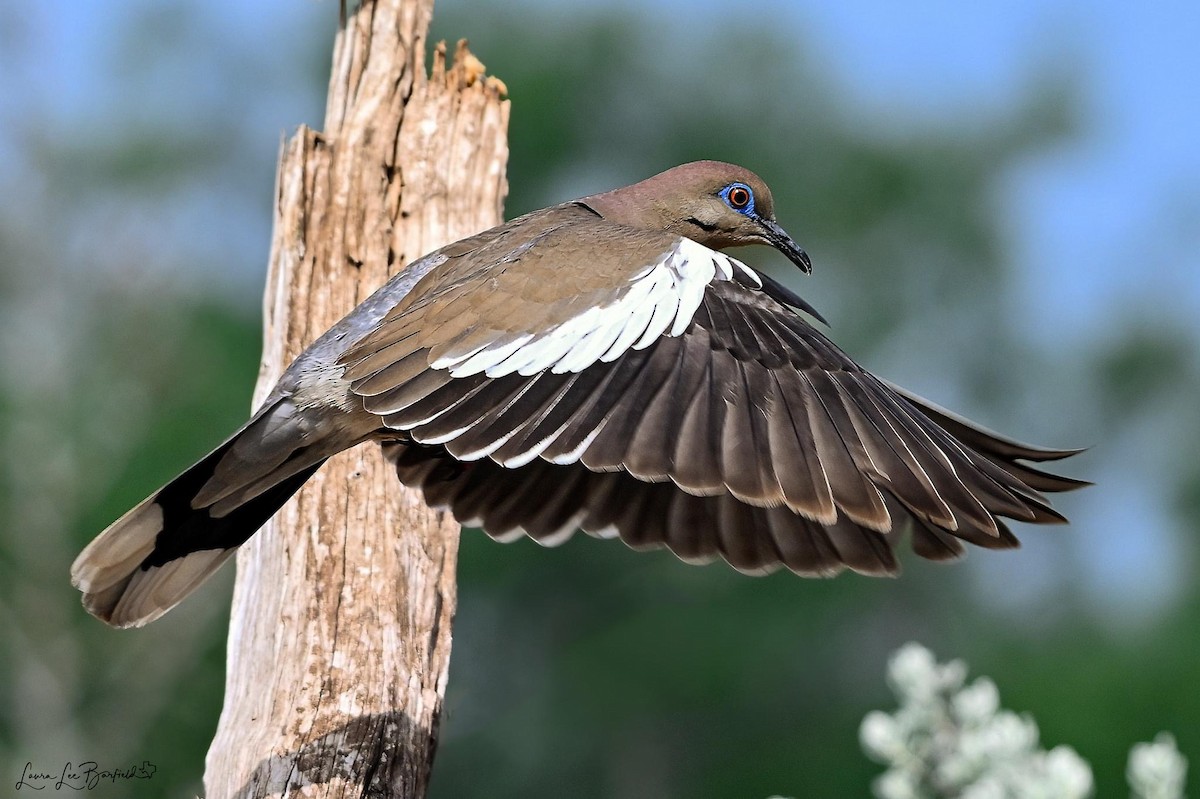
[780, 240]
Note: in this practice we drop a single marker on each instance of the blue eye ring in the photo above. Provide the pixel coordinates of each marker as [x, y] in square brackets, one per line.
[739, 197]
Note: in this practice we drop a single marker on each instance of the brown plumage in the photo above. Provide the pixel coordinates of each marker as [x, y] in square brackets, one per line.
[600, 365]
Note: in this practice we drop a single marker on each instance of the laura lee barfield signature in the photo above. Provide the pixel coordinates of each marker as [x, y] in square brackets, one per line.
[81, 776]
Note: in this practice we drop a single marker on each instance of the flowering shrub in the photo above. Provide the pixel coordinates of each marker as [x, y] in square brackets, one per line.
[950, 739]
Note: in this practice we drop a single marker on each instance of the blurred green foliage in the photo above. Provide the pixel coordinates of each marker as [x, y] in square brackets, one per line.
[589, 670]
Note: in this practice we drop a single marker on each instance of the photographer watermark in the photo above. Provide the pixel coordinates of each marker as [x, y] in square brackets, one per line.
[80, 776]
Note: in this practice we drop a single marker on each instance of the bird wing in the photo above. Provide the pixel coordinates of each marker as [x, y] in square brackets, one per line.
[666, 363]
[558, 296]
[549, 502]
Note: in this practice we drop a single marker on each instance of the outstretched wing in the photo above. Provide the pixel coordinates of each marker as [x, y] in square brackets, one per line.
[548, 502]
[669, 399]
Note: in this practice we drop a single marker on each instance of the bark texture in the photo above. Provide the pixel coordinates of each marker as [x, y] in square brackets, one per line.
[340, 638]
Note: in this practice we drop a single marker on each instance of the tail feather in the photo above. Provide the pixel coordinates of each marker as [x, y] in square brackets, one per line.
[265, 443]
[302, 461]
[143, 595]
[147, 561]
[118, 550]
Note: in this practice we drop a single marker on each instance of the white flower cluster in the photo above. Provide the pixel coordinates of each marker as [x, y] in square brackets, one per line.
[949, 739]
[1157, 770]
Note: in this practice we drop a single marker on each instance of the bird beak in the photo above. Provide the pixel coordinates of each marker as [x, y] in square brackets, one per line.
[778, 238]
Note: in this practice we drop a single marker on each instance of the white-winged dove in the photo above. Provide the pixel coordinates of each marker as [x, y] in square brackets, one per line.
[600, 365]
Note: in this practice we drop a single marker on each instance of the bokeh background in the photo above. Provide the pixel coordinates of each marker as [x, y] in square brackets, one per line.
[1002, 200]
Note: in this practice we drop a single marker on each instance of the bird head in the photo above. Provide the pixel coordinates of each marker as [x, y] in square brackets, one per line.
[715, 204]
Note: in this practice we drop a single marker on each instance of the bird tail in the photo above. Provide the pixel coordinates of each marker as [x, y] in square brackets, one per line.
[147, 561]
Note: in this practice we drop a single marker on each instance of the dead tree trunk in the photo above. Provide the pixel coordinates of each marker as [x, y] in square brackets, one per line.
[340, 638]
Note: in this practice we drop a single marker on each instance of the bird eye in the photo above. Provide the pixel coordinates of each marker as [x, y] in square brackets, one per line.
[739, 197]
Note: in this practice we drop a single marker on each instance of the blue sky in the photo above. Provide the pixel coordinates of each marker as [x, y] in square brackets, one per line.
[1114, 213]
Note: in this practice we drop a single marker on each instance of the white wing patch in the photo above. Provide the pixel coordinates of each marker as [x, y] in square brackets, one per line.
[659, 300]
